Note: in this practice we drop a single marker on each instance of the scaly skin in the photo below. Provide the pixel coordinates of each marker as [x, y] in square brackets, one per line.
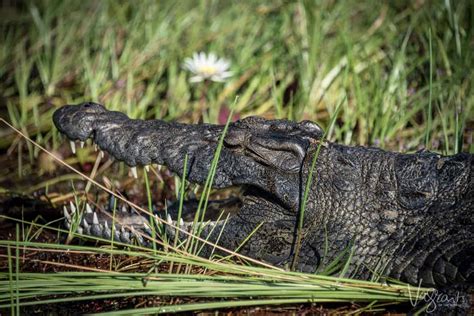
[409, 213]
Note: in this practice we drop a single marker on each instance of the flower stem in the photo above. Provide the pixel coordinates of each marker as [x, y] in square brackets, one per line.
[203, 100]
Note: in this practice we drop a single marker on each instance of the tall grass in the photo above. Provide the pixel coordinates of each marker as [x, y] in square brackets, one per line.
[235, 285]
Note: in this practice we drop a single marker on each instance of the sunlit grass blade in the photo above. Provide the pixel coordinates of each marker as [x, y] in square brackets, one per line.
[309, 183]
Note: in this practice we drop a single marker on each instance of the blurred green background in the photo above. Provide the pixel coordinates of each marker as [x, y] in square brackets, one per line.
[402, 69]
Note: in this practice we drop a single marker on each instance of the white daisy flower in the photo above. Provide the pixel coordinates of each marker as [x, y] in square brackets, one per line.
[207, 67]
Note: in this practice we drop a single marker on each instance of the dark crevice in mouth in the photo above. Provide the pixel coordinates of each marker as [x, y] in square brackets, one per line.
[228, 206]
[254, 192]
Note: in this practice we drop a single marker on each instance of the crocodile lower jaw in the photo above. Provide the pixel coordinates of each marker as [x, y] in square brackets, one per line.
[126, 225]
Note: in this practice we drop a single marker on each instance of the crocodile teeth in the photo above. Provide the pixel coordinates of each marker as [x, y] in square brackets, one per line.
[147, 168]
[95, 147]
[168, 219]
[124, 236]
[181, 222]
[137, 236]
[102, 154]
[95, 219]
[85, 223]
[66, 214]
[134, 172]
[73, 146]
[97, 230]
[88, 209]
[73, 208]
[82, 144]
[107, 231]
[80, 230]
[147, 228]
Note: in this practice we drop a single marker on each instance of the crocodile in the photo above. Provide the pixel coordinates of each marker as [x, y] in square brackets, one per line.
[408, 213]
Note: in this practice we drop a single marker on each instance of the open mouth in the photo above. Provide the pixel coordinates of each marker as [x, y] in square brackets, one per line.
[265, 169]
[129, 224]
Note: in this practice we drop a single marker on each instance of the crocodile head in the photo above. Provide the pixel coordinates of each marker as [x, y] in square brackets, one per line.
[263, 157]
